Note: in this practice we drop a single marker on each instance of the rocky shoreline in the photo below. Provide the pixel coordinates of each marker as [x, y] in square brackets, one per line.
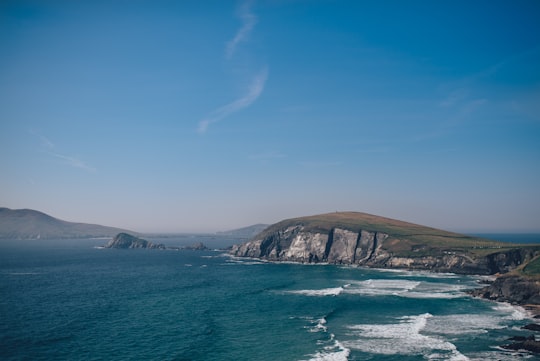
[516, 290]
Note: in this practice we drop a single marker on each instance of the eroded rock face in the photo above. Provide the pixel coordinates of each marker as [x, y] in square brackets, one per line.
[367, 248]
[295, 244]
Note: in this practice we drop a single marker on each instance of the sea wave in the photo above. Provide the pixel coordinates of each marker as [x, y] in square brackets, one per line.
[513, 312]
[402, 338]
[335, 352]
[322, 292]
[390, 287]
[459, 324]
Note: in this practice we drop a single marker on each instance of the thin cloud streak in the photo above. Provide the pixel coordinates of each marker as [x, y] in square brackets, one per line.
[74, 162]
[248, 22]
[254, 91]
[50, 149]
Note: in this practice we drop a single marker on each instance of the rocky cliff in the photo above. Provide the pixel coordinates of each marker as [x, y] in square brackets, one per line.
[513, 289]
[366, 240]
[124, 240]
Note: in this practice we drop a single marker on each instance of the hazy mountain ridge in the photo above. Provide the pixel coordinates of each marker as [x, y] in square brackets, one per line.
[245, 232]
[32, 224]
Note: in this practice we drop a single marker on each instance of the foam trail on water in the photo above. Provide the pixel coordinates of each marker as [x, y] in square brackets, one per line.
[402, 338]
[381, 287]
[322, 292]
[516, 313]
[335, 352]
[406, 288]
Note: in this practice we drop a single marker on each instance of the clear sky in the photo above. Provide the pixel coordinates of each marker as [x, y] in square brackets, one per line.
[210, 115]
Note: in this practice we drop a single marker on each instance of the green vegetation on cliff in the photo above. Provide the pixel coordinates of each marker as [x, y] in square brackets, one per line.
[375, 241]
[405, 239]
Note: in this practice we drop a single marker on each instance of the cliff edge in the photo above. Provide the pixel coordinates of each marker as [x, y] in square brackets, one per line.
[374, 241]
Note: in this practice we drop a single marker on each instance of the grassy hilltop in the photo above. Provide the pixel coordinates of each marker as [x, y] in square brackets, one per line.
[406, 239]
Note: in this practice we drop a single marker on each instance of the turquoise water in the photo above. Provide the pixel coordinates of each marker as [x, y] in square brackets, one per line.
[67, 300]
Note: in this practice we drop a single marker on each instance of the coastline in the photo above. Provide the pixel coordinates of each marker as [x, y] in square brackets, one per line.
[519, 292]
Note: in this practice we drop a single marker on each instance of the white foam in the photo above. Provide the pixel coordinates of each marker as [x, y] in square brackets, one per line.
[320, 325]
[515, 313]
[427, 274]
[322, 292]
[463, 324]
[335, 352]
[402, 338]
[406, 288]
[381, 287]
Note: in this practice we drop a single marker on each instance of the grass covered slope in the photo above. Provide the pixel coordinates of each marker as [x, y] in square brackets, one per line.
[375, 241]
[404, 237]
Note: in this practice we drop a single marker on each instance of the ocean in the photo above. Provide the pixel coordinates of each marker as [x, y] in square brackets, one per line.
[70, 300]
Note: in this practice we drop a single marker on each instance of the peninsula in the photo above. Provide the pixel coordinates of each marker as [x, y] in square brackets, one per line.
[373, 241]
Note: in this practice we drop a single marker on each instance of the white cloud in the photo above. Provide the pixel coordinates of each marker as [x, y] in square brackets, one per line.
[248, 22]
[254, 91]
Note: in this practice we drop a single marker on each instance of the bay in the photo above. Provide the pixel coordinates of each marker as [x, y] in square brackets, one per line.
[68, 300]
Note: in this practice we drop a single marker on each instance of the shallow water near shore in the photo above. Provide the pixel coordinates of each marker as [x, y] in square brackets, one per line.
[69, 300]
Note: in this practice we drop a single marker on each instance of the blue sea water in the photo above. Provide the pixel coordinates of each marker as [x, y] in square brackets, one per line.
[67, 300]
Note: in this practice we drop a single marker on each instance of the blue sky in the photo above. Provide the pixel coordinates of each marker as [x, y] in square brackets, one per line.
[209, 115]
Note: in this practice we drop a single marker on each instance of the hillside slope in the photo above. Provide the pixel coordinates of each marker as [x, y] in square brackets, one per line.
[31, 224]
[369, 240]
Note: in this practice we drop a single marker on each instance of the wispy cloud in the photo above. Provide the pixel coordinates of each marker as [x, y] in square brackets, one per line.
[73, 162]
[254, 91]
[50, 148]
[248, 22]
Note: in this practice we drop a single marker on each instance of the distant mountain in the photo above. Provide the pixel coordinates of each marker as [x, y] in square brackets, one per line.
[31, 224]
[245, 232]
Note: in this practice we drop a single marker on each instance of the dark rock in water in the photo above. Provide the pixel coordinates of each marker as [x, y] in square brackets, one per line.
[199, 246]
[124, 241]
[532, 327]
[528, 344]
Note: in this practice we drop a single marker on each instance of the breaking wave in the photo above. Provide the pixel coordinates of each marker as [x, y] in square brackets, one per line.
[402, 338]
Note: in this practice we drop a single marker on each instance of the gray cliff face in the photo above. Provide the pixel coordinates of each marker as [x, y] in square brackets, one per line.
[338, 246]
[367, 248]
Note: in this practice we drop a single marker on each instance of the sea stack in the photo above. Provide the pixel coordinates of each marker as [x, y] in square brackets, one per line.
[124, 241]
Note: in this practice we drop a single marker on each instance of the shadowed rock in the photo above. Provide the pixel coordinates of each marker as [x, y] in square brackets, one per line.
[125, 241]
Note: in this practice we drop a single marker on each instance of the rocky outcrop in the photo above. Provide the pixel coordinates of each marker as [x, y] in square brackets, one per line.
[199, 246]
[513, 289]
[373, 249]
[524, 343]
[124, 241]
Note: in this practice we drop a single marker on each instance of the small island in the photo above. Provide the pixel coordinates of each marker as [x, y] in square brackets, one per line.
[125, 241]
[128, 241]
